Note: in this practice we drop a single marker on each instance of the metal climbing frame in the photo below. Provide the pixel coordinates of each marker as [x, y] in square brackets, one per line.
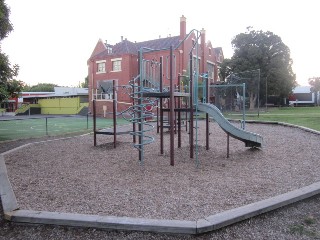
[147, 81]
[194, 89]
[146, 85]
[112, 91]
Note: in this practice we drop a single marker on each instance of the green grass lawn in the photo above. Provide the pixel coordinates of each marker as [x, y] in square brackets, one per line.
[303, 116]
[28, 128]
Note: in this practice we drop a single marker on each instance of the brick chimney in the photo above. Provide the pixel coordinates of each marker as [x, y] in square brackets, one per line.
[183, 33]
[183, 28]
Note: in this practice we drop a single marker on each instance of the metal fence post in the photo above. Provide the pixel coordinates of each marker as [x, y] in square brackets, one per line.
[46, 126]
[87, 120]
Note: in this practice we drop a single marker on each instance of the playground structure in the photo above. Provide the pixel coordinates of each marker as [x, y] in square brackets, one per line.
[181, 96]
[114, 132]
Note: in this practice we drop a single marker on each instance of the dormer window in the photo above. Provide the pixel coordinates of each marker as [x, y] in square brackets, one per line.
[109, 50]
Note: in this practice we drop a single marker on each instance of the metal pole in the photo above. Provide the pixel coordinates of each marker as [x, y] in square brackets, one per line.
[114, 103]
[134, 115]
[46, 126]
[179, 113]
[196, 98]
[87, 120]
[161, 109]
[177, 100]
[186, 115]
[259, 92]
[157, 119]
[207, 115]
[94, 123]
[191, 109]
[140, 109]
[171, 109]
[266, 93]
[244, 107]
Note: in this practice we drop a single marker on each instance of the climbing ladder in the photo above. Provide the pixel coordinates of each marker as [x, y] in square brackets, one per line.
[147, 81]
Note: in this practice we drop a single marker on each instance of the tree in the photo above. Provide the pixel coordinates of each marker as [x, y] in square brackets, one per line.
[9, 87]
[314, 82]
[6, 26]
[265, 51]
[14, 87]
[225, 69]
[40, 87]
[85, 84]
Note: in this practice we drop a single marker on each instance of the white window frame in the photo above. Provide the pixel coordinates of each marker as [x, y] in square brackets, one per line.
[219, 57]
[196, 65]
[212, 74]
[99, 63]
[98, 95]
[116, 60]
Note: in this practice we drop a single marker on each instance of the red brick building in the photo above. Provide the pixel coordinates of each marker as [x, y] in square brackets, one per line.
[119, 62]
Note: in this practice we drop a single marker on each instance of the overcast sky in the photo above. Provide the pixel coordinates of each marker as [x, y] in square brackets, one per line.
[52, 39]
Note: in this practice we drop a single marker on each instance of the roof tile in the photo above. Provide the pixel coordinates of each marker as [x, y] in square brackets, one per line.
[128, 47]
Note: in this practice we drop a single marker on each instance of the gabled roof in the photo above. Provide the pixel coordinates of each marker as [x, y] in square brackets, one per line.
[218, 50]
[161, 43]
[124, 47]
[219, 54]
[127, 47]
[99, 48]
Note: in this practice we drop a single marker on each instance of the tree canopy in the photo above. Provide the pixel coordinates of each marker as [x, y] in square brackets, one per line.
[9, 86]
[315, 84]
[263, 51]
[6, 26]
[40, 87]
[85, 84]
[315, 87]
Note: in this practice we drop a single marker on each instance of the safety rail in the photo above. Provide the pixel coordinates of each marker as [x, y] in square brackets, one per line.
[99, 95]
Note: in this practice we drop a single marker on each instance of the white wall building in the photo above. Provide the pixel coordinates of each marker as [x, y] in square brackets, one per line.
[303, 96]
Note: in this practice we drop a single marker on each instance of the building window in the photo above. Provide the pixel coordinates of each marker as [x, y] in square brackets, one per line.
[109, 49]
[101, 66]
[116, 64]
[210, 68]
[196, 64]
[210, 53]
[219, 57]
[103, 91]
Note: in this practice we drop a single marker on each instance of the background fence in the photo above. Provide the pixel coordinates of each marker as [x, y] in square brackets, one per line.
[28, 127]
